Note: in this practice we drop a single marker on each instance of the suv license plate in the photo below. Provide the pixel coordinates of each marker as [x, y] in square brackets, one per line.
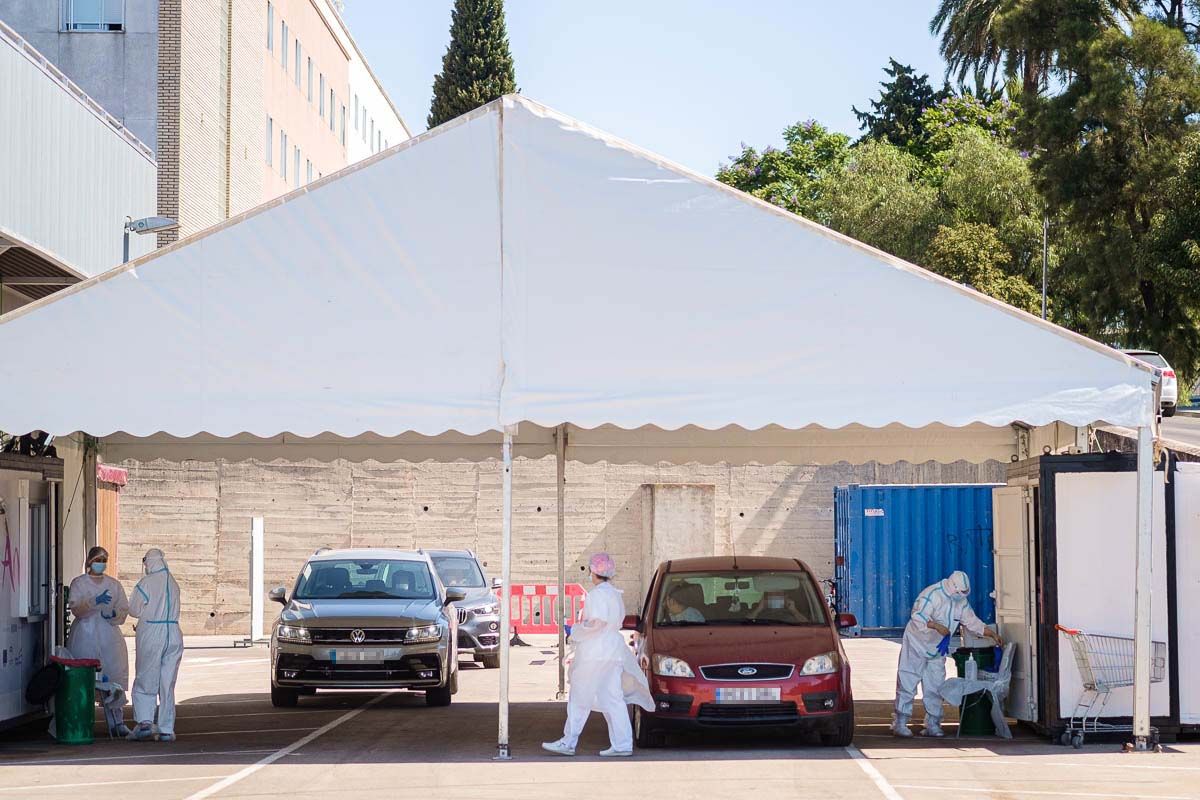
[748, 694]
[358, 656]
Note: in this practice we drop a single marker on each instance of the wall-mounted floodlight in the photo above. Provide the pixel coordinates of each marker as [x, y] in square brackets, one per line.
[144, 226]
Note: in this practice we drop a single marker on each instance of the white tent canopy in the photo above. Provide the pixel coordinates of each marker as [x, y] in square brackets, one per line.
[515, 265]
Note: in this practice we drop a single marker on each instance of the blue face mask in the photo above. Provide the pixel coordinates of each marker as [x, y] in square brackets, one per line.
[98, 567]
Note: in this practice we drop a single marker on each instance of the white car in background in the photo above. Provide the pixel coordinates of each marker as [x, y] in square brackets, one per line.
[1170, 386]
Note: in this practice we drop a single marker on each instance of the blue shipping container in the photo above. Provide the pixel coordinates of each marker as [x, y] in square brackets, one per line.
[893, 541]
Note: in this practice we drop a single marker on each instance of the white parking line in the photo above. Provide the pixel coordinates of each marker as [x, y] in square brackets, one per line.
[1082, 763]
[132, 755]
[1028, 793]
[44, 786]
[288, 711]
[278, 754]
[237, 731]
[881, 783]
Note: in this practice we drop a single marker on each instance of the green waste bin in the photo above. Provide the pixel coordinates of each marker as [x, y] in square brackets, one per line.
[75, 700]
[975, 713]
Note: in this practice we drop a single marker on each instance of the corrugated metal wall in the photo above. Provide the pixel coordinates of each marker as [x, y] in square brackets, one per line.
[69, 176]
[893, 541]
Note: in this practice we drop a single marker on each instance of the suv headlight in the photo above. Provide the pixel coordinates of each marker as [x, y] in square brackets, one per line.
[294, 634]
[484, 611]
[672, 667]
[824, 664]
[426, 633]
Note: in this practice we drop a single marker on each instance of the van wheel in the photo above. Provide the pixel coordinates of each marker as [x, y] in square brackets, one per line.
[284, 698]
[1168, 411]
[644, 731]
[437, 697]
[490, 661]
[843, 733]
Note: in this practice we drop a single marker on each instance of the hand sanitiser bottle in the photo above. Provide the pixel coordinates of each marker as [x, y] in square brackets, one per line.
[972, 668]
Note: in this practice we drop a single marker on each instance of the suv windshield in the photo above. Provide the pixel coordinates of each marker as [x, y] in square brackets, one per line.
[344, 579]
[458, 571]
[739, 598]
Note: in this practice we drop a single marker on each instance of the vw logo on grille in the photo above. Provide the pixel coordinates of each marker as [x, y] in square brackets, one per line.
[358, 636]
[747, 671]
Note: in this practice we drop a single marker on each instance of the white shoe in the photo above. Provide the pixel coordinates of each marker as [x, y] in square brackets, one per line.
[613, 752]
[559, 748]
[933, 731]
[900, 727]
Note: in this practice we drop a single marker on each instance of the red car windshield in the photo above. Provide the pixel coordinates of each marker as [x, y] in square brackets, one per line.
[739, 598]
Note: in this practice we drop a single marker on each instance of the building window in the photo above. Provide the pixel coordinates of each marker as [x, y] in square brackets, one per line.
[93, 15]
[283, 45]
[297, 63]
[283, 154]
[364, 124]
[308, 171]
[296, 164]
[371, 140]
[270, 27]
[270, 138]
[321, 99]
[343, 125]
[356, 111]
[332, 106]
[310, 74]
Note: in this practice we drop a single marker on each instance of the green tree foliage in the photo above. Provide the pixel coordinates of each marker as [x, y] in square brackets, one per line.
[944, 121]
[1108, 145]
[971, 253]
[477, 67]
[896, 116]
[792, 177]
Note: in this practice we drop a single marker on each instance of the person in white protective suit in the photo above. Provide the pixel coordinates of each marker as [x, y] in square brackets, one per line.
[604, 673]
[155, 602]
[99, 604]
[936, 614]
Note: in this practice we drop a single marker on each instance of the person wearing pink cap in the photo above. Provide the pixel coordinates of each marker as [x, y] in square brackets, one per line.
[604, 674]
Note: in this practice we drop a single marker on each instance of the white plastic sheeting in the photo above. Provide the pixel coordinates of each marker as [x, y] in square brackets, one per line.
[514, 266]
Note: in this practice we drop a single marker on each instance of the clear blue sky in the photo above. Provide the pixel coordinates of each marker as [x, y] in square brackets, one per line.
[689, 79]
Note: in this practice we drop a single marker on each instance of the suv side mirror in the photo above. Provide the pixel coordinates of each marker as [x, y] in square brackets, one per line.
[279, 595]
[497, 584]
[847, 621]
[632, 622]
[455, 596]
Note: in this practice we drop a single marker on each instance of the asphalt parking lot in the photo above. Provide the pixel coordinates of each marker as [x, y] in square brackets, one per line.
[233, 744]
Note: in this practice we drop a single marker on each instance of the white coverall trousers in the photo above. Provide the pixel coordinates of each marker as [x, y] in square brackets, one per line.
[157, 668]
[930, 673]
[608, 699]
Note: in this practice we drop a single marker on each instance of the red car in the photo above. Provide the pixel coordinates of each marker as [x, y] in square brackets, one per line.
[736, 642]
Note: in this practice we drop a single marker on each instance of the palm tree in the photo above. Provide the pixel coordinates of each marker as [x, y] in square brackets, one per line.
[1022, 36]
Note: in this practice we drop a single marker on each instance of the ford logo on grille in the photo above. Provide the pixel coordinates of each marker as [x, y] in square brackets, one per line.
[358, 636]
[747, 671]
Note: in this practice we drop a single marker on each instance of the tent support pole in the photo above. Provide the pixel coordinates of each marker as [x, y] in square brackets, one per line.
[502, 749]
[1143, 587]
[560, 457]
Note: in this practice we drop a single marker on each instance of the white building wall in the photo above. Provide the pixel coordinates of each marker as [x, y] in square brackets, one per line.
[70, 173]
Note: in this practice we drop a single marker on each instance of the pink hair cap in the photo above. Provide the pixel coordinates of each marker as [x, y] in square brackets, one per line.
[603, 565]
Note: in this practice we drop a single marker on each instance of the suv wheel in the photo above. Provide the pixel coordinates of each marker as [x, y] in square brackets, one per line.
[490, 661]
[438, 696]
[842, 735]
[645, 733]
[284, 698]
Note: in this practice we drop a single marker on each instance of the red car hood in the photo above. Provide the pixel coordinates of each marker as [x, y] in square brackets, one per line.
[743, 644]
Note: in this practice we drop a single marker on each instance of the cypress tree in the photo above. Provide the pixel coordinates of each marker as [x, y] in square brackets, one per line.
[478, 66]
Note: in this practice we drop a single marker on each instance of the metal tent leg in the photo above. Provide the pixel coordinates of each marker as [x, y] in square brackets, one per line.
[1143, 588]
[560, 442]
[502, 749]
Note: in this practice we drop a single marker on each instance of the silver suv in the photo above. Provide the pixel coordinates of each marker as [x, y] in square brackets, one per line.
[365, 619]
[479, 611]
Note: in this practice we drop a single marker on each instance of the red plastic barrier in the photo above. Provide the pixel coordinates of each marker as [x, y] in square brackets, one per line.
[533, 606]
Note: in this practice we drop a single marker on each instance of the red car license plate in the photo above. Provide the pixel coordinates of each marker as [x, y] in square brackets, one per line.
[748, 694]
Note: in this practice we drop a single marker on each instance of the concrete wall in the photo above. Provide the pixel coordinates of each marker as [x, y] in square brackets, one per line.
[199, 514]
[118, 70]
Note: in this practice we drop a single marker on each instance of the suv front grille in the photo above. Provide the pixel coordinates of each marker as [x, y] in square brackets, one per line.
[757, 714]
[372, 635]
[762, 672]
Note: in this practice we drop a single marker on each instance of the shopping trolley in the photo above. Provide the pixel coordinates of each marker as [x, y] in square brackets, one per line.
[1105, 663]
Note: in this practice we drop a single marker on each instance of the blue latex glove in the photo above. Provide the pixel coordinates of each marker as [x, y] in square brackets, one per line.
[104, 598]
[944, 646]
